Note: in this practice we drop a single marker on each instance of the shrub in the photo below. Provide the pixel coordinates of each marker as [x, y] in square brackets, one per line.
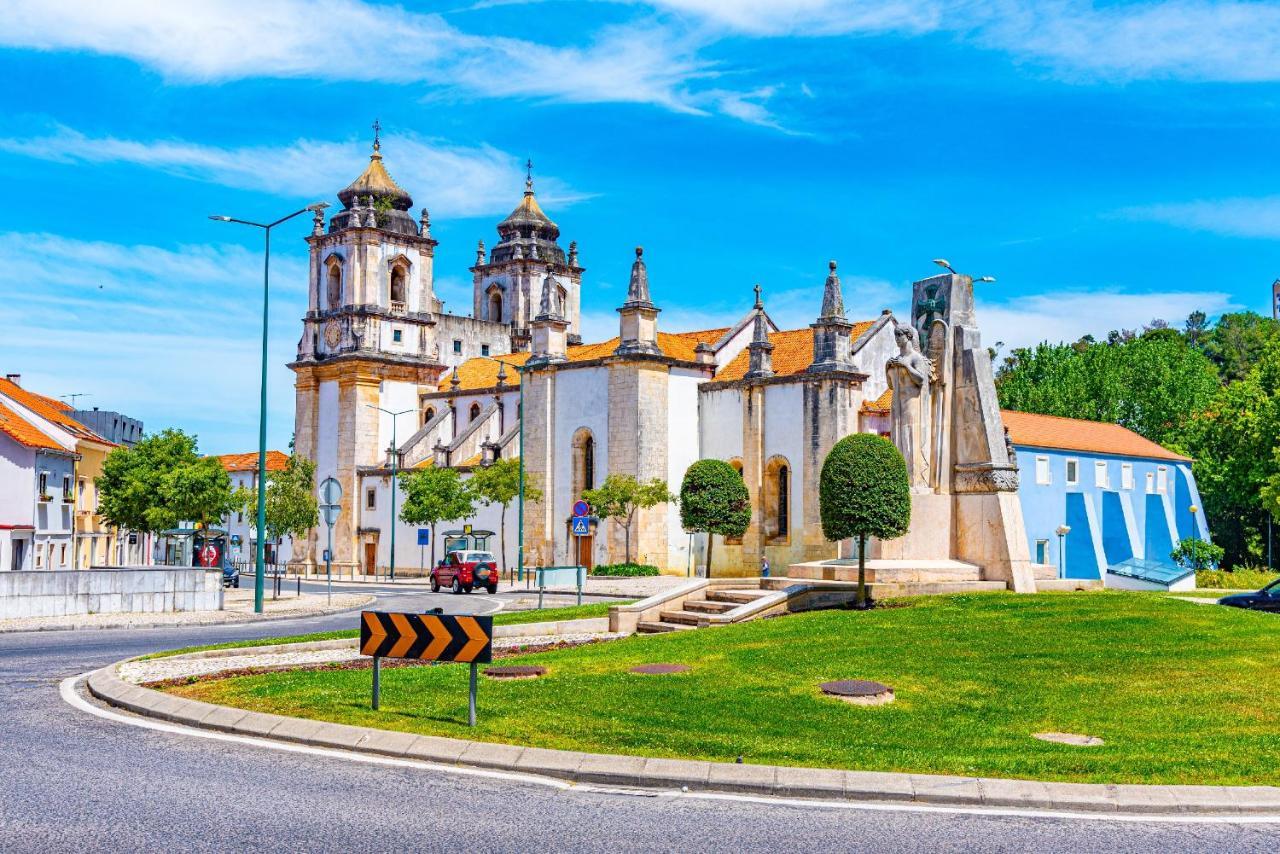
[1193, 553]
[1251, 578]
[627, 569]
[714, 500]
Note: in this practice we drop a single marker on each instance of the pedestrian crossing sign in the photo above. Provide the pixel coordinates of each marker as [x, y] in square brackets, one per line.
[581, 526]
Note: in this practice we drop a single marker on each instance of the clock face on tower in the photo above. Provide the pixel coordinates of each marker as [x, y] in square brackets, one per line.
[332, 333]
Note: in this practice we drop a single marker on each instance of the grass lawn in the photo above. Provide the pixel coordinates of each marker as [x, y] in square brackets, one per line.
[1181, 693]
[502, 618]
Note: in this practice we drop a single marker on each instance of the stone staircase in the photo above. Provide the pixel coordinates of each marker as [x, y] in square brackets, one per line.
[695, 611]
[901, 577]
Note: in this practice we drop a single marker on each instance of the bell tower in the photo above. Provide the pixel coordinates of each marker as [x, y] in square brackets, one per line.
[368, 339]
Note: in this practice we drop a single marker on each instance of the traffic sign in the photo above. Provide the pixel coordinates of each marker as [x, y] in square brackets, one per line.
[209, 556]
[424, 537]
[581, 508]
[581, 526]
[426, 637]
[330, 491]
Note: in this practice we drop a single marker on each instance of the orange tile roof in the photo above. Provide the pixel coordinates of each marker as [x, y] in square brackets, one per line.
[792, 352]
[1077, 434]
[482, 371]
[276, 461]
[50, 410]
[881, 405]
[24, 432]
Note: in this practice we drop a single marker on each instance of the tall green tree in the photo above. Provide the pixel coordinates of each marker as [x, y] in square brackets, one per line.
[1153, 384]
[621, 495]
[433, 495]
[292, 508]
[863, 492]
[499, 483]
[1236, 342]
[714, 500]
[160, 482]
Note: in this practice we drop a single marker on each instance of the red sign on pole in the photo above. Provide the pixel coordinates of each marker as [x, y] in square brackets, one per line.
[209, 556]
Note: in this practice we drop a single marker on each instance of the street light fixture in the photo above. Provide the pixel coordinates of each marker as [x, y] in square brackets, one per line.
[946, 265]
[258, 562]
[1062, 532]
[395, 457]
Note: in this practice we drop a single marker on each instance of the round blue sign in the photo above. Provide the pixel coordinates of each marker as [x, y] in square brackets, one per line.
[581, 508]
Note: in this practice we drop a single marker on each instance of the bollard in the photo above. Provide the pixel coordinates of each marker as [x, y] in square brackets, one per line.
[471, 700]
[377, 680]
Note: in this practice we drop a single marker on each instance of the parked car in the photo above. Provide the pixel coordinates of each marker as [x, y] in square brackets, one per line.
[230, 575]
[1266, 599]
[461, 571]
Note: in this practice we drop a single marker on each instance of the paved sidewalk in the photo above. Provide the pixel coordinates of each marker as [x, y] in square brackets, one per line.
[667, 774]
[238, 608]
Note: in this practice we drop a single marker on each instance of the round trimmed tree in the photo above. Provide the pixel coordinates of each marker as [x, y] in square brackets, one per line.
[863, 492]
[714, 500]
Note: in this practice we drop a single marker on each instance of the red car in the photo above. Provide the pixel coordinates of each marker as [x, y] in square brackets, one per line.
[461, 571]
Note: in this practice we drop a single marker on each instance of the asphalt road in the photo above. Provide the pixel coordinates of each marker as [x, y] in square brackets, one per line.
[70, 781]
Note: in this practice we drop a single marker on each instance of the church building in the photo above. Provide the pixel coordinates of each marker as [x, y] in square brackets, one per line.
[379, 359]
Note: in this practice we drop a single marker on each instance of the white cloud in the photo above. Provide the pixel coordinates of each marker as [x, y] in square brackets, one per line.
[221, 40]
[1069, 315]
[451, 180]
[1238, 217]
[169, 335]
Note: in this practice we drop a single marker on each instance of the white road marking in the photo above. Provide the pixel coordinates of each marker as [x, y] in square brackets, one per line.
[67, 688]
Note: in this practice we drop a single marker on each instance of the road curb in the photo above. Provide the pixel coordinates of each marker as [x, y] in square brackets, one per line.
[82, 627]
[697, 775]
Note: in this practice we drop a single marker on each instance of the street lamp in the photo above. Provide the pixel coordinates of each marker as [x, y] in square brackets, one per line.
[1062, 532]
[395, 455]
[946, 265]
[258, 562]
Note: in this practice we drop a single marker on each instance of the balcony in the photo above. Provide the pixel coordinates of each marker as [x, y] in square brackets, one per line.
[398, 307]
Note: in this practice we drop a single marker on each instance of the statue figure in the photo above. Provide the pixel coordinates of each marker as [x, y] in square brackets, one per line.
[910, 374]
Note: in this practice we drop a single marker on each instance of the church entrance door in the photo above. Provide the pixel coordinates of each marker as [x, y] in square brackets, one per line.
[370, 558]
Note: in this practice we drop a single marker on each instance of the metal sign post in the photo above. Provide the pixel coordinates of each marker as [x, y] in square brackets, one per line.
[471, 699]
[330, 508]
[424, 540]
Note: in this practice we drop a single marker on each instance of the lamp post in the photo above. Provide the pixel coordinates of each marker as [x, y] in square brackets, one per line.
[1062, 532]
[395, 471]
[259, 565]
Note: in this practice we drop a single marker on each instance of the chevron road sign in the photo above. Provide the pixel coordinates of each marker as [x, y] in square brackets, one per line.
[426, 637]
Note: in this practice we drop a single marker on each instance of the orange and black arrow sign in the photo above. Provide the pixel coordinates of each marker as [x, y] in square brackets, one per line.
[426, 637]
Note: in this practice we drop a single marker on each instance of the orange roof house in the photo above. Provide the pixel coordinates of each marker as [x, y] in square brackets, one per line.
[276, 461]
[54, 411]
[1077, 434]
[25, 433]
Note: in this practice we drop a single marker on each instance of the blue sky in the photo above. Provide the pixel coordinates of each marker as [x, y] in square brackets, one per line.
[1108, 162]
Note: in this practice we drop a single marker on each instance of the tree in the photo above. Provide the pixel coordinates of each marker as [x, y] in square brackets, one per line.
[160, 482]
[1196, 554]
[714, 500]
[199, 492]
[433, 495]
[499, 483]
[863, 492]
[1196, 326]
[292, 509]
[621, 495]
[1236, 342]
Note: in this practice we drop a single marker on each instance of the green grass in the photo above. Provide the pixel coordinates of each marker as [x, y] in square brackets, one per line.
[1181, 693]
[502, 618]
[1238, 579]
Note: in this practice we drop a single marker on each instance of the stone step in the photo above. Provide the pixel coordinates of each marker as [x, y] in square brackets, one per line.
[653, 628]
[1068, 584]
[1044, 571]
[888, 571]
[689, 618]
[936, 588]
[738, 596]
[704, 606]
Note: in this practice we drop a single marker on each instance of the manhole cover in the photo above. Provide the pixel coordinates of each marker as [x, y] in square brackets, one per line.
[860, 691]
[655, 669]
[515, 671]
[1072, 738]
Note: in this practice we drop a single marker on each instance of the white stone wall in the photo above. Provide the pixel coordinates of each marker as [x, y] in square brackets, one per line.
[17, 486]
[396, 397]
[109, 591]
[327, 431]
[720, 424]
[871, 359]
[682, 451]
[473, 334]
[784, 436]
[582, 400]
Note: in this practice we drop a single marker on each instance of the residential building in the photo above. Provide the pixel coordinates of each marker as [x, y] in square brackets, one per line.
[114, 427]
[242, 543]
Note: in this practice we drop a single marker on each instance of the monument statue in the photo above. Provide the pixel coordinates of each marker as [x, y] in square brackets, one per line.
[910, 374]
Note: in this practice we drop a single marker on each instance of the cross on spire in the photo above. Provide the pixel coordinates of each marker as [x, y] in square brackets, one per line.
[377, 133]
[757, 289]
[528, 175]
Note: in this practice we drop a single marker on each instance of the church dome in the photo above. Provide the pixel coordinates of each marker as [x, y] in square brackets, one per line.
[527, 232]
[376, 181]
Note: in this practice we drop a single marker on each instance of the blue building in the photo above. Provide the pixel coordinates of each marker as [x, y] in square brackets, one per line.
[1102, 503]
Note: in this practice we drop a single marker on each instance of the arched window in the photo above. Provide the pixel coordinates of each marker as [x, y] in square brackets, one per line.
[495, 306]
[563, 301]
[428, 414]
[475, 411]
[333, 284]
[776, 501]
[398, 276]
[584, 461]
